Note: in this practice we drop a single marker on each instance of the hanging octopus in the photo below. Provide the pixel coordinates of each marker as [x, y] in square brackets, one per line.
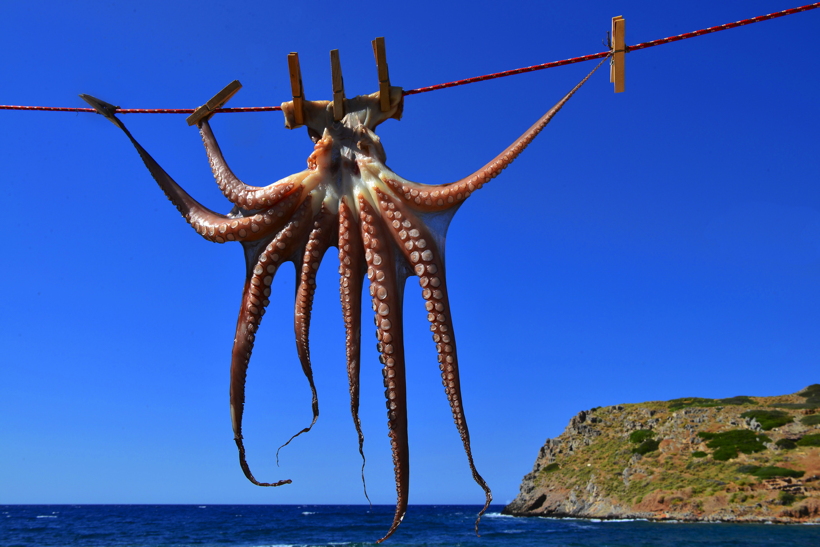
[385, 228]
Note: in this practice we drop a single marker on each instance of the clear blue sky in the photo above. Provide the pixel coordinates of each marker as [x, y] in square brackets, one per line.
[659, 243]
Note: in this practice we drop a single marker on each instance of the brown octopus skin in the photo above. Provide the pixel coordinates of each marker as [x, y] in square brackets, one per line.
[382, 226]
[351, 279]
[387, 294]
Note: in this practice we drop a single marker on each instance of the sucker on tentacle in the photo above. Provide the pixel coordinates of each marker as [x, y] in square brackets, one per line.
[385, 227]
[420, 249]
[387, 294]
[254, 302]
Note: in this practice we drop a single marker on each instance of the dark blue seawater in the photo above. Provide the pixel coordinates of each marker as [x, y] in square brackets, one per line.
[324, 525]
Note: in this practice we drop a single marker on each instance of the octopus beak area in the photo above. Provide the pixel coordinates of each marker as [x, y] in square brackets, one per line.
[102, 107]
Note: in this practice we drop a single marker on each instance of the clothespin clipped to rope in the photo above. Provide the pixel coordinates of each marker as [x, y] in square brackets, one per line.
[338, 85]
[216, 102]
[297, 90]
[384, 77]
[618, 61]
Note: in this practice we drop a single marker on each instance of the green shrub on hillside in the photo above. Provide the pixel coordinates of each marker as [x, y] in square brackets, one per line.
[770, 471]
[725, 453]
[676, 404]
[769, 419]
[727, 444]
[699, 454]
[812, 395]
[786, 498]
[748, 469]
[813, 419]
[551, 467]
[786, 444]
[649, 445]
[737, 400]
[700, 402]
[640, 435]
[793, 406]
[809, 440]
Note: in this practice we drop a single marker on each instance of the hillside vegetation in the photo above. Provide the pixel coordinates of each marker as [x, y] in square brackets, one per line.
[743, 458]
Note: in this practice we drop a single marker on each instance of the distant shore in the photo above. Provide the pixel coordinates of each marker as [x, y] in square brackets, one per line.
[740, 459]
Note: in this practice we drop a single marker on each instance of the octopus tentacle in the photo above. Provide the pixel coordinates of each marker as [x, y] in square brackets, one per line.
[210, 225]
[185, 204]
[386, 289]
[443, 196]
[254, 301]
[256, 197]
[247, 325]
[220, 228]
[239, 193]
[319, 240]
[351, 278]
[420, 249]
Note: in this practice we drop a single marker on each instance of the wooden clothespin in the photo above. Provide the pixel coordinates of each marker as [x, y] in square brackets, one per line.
[296, 88]
[216, 102]
[617, 67]
[338, 85]
[384, 77]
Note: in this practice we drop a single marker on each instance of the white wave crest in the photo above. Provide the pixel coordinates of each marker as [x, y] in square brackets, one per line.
[498, 515]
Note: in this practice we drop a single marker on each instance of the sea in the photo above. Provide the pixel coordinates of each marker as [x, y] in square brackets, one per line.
[356, 525]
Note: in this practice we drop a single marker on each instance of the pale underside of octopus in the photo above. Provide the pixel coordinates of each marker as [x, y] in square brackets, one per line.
[385, 228]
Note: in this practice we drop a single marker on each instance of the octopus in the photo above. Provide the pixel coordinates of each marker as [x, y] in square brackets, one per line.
[386, 228]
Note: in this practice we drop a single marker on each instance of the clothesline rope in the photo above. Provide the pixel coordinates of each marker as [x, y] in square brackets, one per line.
[512, 72]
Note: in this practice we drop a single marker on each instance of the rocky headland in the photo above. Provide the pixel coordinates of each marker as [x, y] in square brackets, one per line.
[739, 459]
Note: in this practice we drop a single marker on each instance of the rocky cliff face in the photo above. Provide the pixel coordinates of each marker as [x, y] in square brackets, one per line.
[749, 459]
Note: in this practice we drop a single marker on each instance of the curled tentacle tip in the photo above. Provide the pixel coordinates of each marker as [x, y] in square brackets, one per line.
[305, 430]
[277, 483]
[280, 483]
[102, 107]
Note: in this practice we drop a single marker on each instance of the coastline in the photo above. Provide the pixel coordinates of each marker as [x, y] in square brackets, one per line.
[738, 460]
